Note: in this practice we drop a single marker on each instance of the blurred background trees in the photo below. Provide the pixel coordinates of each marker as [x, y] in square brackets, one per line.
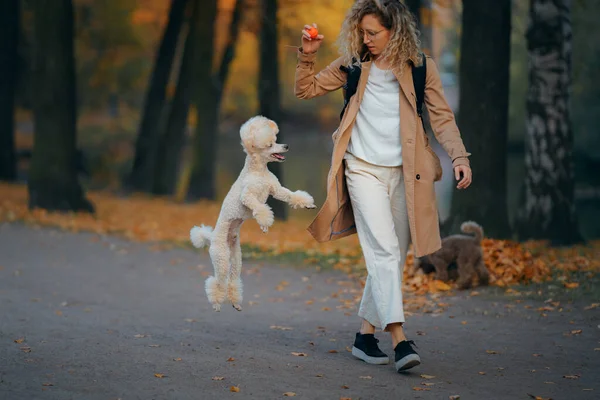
[161, 88]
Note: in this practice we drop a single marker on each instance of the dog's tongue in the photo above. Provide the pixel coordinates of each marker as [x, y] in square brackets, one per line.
[278, 156]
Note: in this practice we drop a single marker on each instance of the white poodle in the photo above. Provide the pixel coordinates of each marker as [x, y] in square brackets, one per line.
[246, 199]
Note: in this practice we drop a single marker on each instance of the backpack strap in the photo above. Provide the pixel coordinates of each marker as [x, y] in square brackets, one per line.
[419, 74]
[351, 84]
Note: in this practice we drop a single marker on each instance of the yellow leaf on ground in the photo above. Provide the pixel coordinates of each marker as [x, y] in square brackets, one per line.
[289, 394]
[159, 375]
[294, 353]
[218, 378]
[234, 389]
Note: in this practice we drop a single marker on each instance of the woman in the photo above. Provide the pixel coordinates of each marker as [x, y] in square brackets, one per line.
[381, 181]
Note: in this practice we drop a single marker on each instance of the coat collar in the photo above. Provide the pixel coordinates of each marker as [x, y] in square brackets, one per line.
[406, 84]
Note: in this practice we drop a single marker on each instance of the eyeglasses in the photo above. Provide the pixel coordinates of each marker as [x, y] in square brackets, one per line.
[370, 36]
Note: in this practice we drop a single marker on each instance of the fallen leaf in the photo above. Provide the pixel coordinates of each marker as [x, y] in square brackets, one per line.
[454, 397]
[231, 359]
[298, 354]
[25, 349]
[289, 394]
[281, 328]
[345, 387]
[234, 389]
[440, 285]
[537, 397]
[332, 351]
[47, 384]
[576, 332]
[427, 383]
[420, 389]
[58, 312]
[424, 376]
[481, 373]
[139, 335]
[491, 352]
[463, 322]
[177, 359]
[159, 375]
[365, 377]
[571, 285]
[19, 340]
[537, 355]
[319, 375]
[345, 398]
[592, 306]
[218, 378]
[190, 320]
[576, 376]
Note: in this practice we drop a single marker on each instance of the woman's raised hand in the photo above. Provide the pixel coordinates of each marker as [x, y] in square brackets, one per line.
[311, 44]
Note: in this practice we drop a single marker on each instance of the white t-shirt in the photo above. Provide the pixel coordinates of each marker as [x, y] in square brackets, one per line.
[376, 132]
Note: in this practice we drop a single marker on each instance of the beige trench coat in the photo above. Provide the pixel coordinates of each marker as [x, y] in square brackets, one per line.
[421, 165]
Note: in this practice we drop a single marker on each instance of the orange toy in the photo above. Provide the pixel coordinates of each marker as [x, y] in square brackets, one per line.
[313, 32]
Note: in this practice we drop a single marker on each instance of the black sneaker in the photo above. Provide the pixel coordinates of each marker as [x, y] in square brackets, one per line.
[365, 348]
[406, 356]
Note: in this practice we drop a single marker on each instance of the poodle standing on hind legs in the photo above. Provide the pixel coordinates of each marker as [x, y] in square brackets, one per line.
[246, 199]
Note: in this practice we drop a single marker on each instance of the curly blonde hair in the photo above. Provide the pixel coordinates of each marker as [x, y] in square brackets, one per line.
[394, 15]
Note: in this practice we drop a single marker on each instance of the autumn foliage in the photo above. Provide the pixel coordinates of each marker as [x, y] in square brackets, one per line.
[151, 219]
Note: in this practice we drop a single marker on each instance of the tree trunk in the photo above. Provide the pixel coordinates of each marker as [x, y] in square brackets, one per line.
[169, 159]
[268, 87]
[483, 115]
[10, 17]
[202, 180]
[423, 13]
[229, 53]
[172, 140]
[548, 211]
[53, 183]
[148, 135]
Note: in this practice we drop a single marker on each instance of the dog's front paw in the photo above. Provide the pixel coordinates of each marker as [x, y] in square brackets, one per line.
[302, 199]
[264, 217]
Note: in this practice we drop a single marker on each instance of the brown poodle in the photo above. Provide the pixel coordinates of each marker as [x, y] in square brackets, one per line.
[462, 252]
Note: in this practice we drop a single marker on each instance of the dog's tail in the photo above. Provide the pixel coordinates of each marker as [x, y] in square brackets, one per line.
[472, 227]
[201, 235]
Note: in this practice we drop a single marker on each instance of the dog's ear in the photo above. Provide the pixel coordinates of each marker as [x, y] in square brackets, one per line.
[273, 126]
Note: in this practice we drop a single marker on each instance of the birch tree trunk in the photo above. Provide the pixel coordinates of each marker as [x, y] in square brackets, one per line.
[548, 210]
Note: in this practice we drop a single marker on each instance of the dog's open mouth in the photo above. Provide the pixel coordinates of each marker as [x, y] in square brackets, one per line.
[278, 156]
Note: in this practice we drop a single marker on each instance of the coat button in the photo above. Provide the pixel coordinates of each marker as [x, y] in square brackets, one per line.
[418, 176]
